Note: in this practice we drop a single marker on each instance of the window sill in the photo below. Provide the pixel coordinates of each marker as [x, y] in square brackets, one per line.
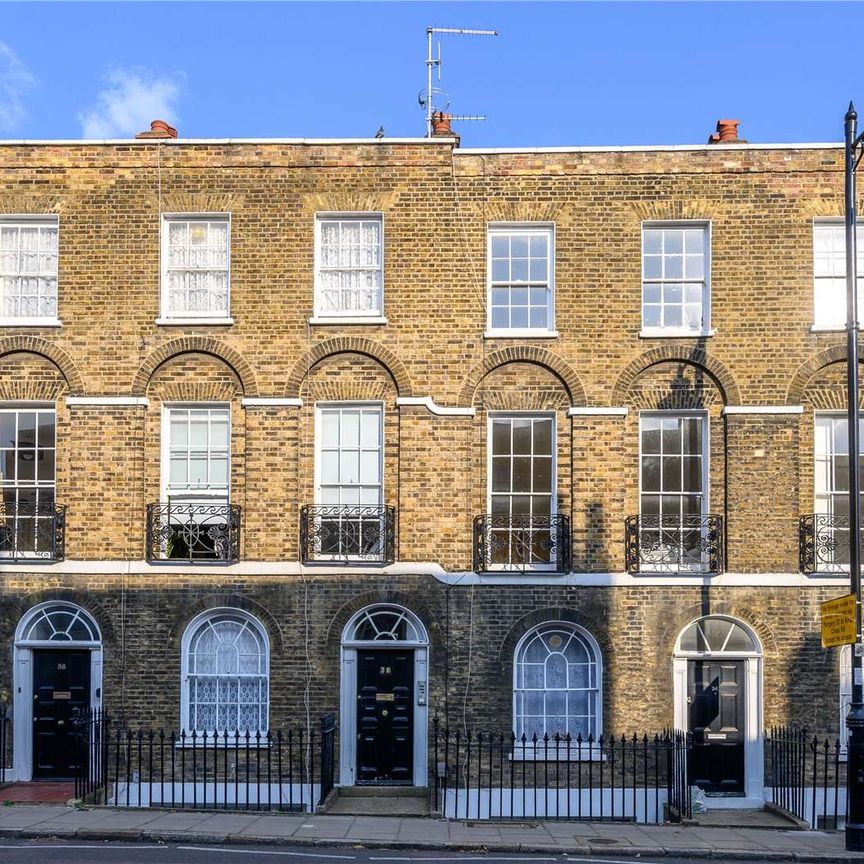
[194, 322]
[336, 321]
[673, 333]
[222, 744]
[30, 322]
[526, 333]
[573, 756]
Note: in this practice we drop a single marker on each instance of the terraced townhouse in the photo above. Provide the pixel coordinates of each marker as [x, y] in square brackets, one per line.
[545, 440]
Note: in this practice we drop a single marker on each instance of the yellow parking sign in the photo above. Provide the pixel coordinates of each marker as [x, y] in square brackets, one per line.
[838, 621]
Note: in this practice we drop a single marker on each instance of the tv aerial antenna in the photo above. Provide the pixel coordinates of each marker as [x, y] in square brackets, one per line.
[436, 99]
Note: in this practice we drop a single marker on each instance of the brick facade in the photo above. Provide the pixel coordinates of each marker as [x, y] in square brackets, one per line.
[436, 203]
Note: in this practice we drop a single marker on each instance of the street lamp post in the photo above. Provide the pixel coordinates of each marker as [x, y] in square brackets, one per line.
[855, 717]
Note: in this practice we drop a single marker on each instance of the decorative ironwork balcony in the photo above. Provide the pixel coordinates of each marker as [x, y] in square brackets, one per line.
[362, 535]
[521, 543]
[32, 532]
[823, 543]
[193, 533]
[674, 544]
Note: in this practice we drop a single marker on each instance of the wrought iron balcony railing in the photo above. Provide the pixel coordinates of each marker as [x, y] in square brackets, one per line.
[521, 543]
[198, 533]
[674, 544]
[32, 532]
[365, 535]
[823, 543]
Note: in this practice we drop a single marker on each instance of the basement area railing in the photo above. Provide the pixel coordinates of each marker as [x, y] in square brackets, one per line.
[806, 776]
[481, 775]
[288, 769]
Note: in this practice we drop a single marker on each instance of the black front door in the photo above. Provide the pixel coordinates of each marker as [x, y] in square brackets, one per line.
[385, 716]
[61, 687]
[715, 696]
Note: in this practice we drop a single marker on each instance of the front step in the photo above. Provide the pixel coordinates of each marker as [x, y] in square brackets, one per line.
[380, 801]
[383, 792]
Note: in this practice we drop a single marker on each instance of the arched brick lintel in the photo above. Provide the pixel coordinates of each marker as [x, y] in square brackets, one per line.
[349, 345]
[195, 345]
[524, 354]
[680, 354]
[51, 352]
[808, 370]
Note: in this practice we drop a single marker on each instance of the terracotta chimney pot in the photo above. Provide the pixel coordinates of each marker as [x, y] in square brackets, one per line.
[158, 129]
[441, 124]
[727, 133]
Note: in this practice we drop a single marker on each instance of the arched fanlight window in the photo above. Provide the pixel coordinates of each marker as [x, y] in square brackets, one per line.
[226, 672]
[384, 624]
[58, 622]
[717, 635]
[557, 686]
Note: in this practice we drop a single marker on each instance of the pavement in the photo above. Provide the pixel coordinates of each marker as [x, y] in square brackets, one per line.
[287, 829]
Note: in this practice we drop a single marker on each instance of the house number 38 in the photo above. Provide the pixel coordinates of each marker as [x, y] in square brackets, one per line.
[61, 665]
[385, 670]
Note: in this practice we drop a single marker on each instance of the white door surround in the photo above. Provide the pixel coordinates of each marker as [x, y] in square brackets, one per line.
[54, 625]
[363, 632]
[753, 739]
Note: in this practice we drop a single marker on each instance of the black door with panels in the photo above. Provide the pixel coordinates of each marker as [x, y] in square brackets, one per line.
[715, 697]
[385, 717]
[61, 688]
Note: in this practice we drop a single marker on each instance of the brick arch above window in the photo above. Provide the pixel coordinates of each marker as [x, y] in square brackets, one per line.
[349, 345]
[195, 345]
[48, 350]
[716, 370]
[809, 371]
[225, 600]
[594, 621]
[524, 354]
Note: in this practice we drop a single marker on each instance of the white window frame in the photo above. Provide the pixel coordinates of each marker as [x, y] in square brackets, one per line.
[18, 220]
[677, 332]
[37, 408]
[166, 317]
[586, 752]
[706, 468]
[826, 325]
[353, 316]
[197, 496]
[546, 229]
[553, 495]
[320, 407]
[185, 702]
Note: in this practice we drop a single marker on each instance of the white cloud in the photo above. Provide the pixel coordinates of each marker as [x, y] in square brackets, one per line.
[133, 98]
[15, 80]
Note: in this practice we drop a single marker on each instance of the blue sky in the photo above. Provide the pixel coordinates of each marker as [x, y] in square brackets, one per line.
[558, 73]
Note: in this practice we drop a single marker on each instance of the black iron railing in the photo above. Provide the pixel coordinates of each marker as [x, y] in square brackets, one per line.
[806, 776]
[823, 543]
[4, 741]
[502, 776]
[674, 544]
[364, 535]
[289, 770]
[520, 543]
[193, 532]
[32, 531]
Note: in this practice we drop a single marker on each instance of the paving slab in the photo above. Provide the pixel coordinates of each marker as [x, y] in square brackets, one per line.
[272, 827]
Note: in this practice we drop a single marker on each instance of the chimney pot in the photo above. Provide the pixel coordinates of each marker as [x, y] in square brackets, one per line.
[727, 133]
[441, 124]
[158, 129]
